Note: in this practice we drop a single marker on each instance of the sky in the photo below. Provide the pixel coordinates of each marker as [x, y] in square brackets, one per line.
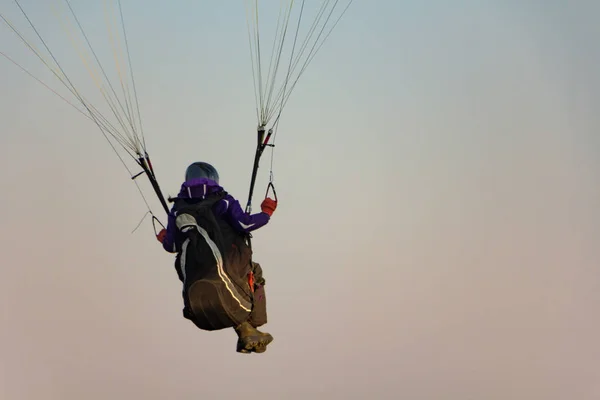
[437, 235]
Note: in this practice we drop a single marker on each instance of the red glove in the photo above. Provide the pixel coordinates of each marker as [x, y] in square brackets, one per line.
[268, 206]
[161, 235]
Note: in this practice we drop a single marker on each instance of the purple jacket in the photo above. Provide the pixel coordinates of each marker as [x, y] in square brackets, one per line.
[227, 208]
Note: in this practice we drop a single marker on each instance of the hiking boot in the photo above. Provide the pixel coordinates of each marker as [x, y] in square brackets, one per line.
[260, 348]
[251, 339]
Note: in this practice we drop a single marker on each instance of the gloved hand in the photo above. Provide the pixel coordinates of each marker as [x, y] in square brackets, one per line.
[161, 235]
[268, 206]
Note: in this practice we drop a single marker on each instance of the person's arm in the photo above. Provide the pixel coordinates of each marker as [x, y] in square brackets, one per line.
[167, 236]
[244, 222]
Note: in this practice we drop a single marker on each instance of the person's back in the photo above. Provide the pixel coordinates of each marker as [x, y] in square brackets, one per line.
[207, 229]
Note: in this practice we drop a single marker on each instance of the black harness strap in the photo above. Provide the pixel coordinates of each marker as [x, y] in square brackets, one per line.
[261, 143]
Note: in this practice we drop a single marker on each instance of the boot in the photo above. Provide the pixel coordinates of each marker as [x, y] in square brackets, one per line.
[259, 348]
[250, 338]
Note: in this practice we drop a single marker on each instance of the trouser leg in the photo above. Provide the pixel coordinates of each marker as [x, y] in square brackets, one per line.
[258, 316]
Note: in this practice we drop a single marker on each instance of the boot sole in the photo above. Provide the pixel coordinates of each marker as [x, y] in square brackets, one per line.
[262, 344]
[241, 349]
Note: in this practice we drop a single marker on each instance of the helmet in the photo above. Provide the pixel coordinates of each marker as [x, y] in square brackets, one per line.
[201, 170]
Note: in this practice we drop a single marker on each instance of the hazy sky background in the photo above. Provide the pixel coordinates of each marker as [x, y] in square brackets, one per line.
[438, 234]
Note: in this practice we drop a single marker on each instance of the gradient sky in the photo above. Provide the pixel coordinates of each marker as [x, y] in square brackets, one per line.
[438, 233]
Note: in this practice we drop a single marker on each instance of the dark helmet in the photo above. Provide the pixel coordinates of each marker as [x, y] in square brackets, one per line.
[201, 170]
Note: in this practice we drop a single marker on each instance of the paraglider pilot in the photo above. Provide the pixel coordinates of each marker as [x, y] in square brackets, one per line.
[222, 286]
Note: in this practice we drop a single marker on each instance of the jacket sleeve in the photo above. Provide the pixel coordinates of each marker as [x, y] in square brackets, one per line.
[169, 241]
[240, 220]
